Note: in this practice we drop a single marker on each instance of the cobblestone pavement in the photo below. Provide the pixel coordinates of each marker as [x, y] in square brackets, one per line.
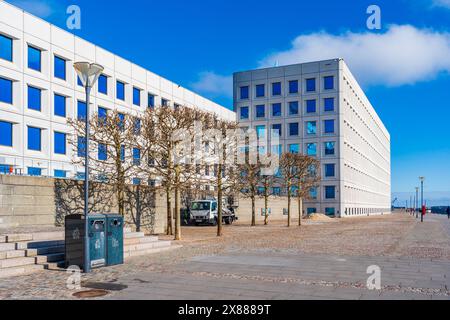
[315, 261]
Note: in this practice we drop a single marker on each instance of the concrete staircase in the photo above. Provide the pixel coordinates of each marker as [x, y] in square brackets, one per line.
[25, 253]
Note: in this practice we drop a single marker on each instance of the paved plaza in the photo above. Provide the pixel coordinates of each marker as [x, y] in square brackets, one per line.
[320, 260]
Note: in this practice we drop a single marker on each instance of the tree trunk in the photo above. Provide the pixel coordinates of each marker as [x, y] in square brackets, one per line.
[169, 230]
[138, 208]
[177, 205]
[219, 200]
[289, 204]
[266, 205]
[300, 210]
[253, 208]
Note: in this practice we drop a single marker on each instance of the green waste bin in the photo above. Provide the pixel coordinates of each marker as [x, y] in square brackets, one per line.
[114, 239]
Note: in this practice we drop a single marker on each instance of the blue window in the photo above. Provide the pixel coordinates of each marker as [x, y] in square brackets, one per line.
[122, 153]
[277, 127]
[79, 83]
[5, 169]
[102, 115]
[136, 156]
[81, 147]
[136, 96]
[81, 112]
[260, 90]
[310, 211]
[276, 88]
[276, 191]
[102, 152]
[294, 148]
[151, 100]
[330, 192]
[293, 86]
[137, 126]
[136, 181]
[6, 134]
[244, 113]
[121, 121]
[34, 58]
[311, 85]
[60, 143]
[6, 48]
[313, 193]
[34, 139]
[60, 68]
[34, 98]
[330, 211]
[260, 132]
[328, 104]
[60, 174]
[329, 170]
[311, 127]
[311, 106]
[276, 110]
[293, 108]
[293, 129]
[329, 148]
[311, 149]
[328, 126]
[34, 171]
[80, 176]
[103, 84]
[164, 102]
[260, 111]
[328, 83]
[244, 92]
[277, 149]
[6, 91]
[60, 105]
[120, 88]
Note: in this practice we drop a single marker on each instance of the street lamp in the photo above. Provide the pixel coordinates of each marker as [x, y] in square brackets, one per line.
[88, 74]
[422, 179]
[417, 200]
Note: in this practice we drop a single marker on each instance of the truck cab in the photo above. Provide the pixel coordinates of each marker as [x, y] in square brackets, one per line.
[205, 212]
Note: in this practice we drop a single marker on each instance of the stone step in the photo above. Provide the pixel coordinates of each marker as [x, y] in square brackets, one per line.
[39, 244]
[20, 270]
[133, 235]
[2, 239]
[149, 251]
[16, 262]
[12, 254]
[140, 240]
[149, 245]
[57, 265]
[7, 246]
[53, 257]
[18, 237]
[51, 235]
[44, 250]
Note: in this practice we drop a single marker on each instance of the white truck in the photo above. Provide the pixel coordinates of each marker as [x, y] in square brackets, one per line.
[205, 212]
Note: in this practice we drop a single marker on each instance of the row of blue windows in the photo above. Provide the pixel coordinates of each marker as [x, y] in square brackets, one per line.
[311, 148]
[310, 128]
[310, 85]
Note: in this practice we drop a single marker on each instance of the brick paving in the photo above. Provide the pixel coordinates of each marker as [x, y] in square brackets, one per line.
[325, 260]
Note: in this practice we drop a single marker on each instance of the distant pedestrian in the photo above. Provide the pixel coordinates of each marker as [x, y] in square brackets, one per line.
[448, 212]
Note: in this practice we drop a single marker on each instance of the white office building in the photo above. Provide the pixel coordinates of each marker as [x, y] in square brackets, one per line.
[320, 110]
[39, 91]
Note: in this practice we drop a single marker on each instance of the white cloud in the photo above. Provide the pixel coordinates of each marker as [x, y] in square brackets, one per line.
[401, 55]
[214, 84]
[40, 8]
[442, 3]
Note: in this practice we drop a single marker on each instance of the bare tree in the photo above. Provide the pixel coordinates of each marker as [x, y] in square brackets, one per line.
[267, 182]
[288, 163]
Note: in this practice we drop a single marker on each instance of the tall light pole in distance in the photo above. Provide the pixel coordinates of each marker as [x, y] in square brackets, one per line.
[422, 179]
[417, 200]
[88, 74]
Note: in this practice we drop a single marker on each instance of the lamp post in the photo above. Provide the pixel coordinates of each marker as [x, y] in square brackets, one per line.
[88, 74]
[417, 200]
[422, 179]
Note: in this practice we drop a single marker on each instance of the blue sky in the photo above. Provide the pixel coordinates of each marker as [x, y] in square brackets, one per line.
[404, 67]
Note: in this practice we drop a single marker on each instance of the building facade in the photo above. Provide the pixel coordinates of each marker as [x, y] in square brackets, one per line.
[319, 109]
[39, 91]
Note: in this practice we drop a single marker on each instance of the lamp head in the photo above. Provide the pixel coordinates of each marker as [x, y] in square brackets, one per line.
[88, 72]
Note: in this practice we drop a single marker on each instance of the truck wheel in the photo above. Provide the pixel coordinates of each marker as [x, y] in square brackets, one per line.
[228, 221]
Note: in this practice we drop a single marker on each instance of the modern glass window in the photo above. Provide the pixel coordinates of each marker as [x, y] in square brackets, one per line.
[260, 111]
[136, 156]
[330, 211]
[81, 147]
[261, 132]
[328, 104]
[330, 192]
[164, 102]
[102, 115]
[34, 98]
[294, 148]
[311, 106]
[34, 58]
[79, 82]
[277, 127]
[329, 170]
[310, 211]
[122, 153]
[60, 105]
[136, 96]
[328, 126]
[120, 90]
[311, 149]
[34, 171]
[6, 91]
[151, 100]
[277, 149]
[102, 152]
[329, 148]
[293, 108]
[313, 193]
[5, 169]
[293, 86]
[60, 68]
[260, 90]
[6, 134]
[137, 126]
[244, 113]
[80, 176]
[311, 127]
[6, 48]
[121, 121]
[293, 129]
[60, 143]
[81, 110]
[34, 139]
[244, 92]
[136, 181]
[276, 110]
[60, 174]
[276, 191]
[311, 85]
[103, 84]
[328, 83]
[276, 89]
